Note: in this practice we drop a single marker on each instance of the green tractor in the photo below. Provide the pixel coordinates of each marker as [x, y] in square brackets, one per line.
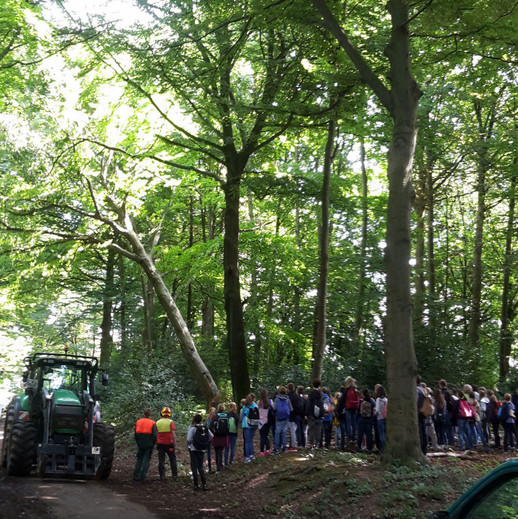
[56, 424]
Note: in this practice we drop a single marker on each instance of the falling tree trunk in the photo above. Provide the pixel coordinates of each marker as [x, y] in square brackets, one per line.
[232, 287]
[401, 102]
[319, 338]
[506, 314]
[107, 322]
[199, 371]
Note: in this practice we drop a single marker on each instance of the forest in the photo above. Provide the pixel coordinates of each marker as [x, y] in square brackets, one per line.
[215, 197]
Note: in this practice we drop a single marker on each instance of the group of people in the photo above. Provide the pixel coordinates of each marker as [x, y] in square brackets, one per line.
[147, 434]
[350, 418]
[465, 417]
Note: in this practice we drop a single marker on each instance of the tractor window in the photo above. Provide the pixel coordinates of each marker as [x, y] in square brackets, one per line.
[64, 377]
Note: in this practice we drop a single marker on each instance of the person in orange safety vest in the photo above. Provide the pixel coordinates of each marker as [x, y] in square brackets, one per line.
[145, 436]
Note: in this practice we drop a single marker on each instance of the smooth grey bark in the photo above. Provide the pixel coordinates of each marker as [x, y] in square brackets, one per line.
[508, 309]
[401, 101]
[148, 310]
[485, 128]
[107, 321]
[122, 312]
[360, 305]
[319, 338]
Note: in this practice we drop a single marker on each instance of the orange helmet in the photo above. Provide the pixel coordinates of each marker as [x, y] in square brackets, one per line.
[165, 411]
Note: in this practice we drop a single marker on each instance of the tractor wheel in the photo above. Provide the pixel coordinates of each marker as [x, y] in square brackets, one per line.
[21, 449]
[104, 437]
[8, 426]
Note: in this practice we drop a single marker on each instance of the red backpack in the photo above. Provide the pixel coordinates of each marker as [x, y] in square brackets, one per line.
[352, 399]
[465, 410]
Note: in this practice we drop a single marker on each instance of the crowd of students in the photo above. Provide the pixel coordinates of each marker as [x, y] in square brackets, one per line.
[290, 419]
[467, 417]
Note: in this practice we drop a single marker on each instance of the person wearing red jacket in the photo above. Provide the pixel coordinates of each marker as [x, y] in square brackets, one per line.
[145, 436]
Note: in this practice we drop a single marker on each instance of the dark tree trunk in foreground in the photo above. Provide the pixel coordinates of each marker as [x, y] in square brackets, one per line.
[232, 289]
[401, 102]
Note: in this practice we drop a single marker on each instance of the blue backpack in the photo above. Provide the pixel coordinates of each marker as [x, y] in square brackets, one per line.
[283, 409]
[503, 412]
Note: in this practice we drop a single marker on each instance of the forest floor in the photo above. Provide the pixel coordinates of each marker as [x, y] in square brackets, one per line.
[302, 484]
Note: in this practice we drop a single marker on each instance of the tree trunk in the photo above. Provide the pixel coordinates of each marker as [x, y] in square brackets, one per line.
[107, 322]
[148, 296]
[198, 369]
[207, 309]
[507, 312]
[232, 287]
[319, 339]
[360, 304]
[485, 132]
[122, 312]
[190, 310]
[402, 433]
[419, 274]
[401, 102]
[430, 231]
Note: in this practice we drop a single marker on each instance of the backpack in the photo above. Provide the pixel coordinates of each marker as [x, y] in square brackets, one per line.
[427, 407]
[465, 410]
[253, 417]
[366, 409]
[439, 415]
[232, 427]
[384, 410]
[298, 403]
[352, 399]
[283, 409]
[201, 439]
[503, 412]
[315, 405]
[221, 426]
[327, 405]
[271, 415]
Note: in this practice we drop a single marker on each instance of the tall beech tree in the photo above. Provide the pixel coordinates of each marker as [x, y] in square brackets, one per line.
[401, 101]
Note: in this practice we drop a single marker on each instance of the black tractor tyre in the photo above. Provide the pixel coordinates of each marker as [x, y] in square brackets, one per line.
[104, 437]
[8, 426]
[21, 449]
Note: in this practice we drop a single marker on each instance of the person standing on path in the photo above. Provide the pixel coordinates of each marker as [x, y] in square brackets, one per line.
[198, 439]
[145, 436]
[315, 412]
[166, 440]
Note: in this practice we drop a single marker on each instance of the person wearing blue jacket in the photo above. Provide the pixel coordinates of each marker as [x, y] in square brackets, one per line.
[250, 423]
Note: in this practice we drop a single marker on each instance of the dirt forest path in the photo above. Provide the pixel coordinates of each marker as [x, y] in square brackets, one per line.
[57, 499]
[33, 497]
